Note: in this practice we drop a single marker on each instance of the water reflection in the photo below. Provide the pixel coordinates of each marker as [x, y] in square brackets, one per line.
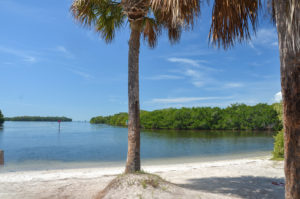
[206, 134]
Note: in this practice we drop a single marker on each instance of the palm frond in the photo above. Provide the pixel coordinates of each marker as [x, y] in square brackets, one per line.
[177, 12]
[105, 15]
[166, 23]
[230, 21]
[174, 34]
[151, 31]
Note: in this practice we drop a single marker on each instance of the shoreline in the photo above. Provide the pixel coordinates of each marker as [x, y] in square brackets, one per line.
[45, 165]
[254, 177]
[115, 170]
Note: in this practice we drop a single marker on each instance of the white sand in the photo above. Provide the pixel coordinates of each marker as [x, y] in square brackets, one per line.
[242, 178]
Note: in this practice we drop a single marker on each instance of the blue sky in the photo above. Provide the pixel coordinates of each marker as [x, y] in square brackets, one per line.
[52, 66]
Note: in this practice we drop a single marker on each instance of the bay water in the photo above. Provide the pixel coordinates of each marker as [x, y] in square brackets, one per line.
[42, 145]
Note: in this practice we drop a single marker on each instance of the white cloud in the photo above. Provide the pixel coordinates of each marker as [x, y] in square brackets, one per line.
[30, 59]
[233, 85]
[184, 99]
[192, 62]
[275, 43]
[82, 74]
[61, 49]
[265, 37]
[196, 73]
[193, 73]
[278, 97]
[19, 53]
[197, 78]
[192, 52]
[251, 45]
[184, 61]
[198, 83]
[200, 78]
[64, 51]
[165, 77]
[258, 52]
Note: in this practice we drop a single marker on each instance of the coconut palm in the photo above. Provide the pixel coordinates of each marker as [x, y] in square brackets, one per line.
[147, 19]
[230, 24]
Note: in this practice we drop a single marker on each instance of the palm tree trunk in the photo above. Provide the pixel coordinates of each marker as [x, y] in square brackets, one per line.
[290, 87]
[133, 163]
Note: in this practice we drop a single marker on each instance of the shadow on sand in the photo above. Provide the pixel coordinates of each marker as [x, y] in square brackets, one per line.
[248, 187]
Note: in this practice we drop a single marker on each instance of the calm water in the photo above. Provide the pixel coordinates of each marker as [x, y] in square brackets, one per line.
[42, 145]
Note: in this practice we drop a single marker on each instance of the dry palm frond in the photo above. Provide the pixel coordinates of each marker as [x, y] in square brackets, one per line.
[230, 21]
[174, 34]
[174, 15]
[151, 31]
[177, 12]
[166, 23]
[105, 15]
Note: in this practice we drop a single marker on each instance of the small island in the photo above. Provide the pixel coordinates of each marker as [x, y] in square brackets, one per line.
[38, 119]
[234, 117]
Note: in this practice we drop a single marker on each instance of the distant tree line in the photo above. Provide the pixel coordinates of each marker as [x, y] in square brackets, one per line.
[1, 118]
[234, 117]
[38, 119]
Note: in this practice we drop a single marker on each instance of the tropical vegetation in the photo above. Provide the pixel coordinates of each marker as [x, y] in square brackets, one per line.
[279, 109]
[278, 152]
[234, 117]
[1, 118]
[38, 119]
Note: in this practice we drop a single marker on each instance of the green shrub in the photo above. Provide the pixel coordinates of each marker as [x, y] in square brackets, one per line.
[278, 152]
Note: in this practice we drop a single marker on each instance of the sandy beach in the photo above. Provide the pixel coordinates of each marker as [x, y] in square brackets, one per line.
[240, 178]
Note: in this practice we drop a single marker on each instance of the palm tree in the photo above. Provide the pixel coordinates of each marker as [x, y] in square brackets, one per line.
[146, 18]
[230, 24]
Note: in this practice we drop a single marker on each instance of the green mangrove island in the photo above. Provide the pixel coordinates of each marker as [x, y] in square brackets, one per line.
[234, 117]
[38, 119]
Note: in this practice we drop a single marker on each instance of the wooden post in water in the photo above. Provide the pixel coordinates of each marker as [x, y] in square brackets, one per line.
[1, 157]
[59, 125]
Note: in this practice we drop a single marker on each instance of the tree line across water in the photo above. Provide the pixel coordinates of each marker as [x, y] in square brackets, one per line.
[38, 119]
[234, 117]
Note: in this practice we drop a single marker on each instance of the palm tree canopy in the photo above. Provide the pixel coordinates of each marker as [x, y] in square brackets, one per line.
[107, 16]
[232, 21]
